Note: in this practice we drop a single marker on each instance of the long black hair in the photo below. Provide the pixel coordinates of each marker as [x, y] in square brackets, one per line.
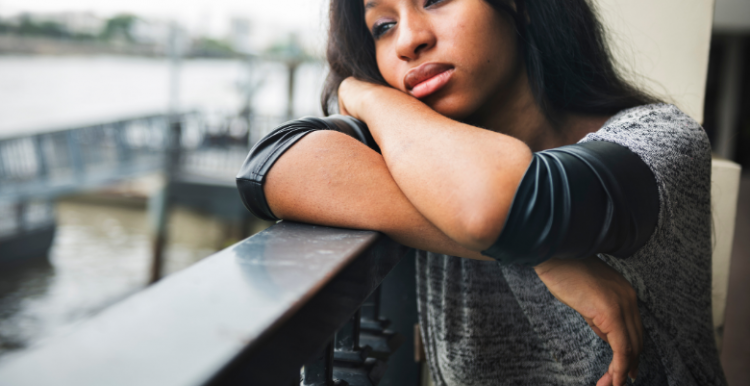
[568, 62]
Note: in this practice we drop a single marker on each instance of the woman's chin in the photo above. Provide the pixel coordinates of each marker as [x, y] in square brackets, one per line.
[453, 101]
[451, 108]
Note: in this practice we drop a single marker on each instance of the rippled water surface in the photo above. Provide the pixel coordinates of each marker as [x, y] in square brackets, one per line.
[39, 93]
[100, 255]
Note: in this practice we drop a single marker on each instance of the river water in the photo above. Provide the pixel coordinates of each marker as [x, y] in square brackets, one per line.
[44, 92]
[101, 253]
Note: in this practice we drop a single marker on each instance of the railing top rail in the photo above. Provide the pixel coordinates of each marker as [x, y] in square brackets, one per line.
[253, 312]
[55, 130]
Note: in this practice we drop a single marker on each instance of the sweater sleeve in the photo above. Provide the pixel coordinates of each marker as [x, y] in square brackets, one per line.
[578, 200]
[671, 273]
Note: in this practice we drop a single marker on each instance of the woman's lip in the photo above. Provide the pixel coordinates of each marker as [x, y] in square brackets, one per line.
[432, 84]
[423, 72]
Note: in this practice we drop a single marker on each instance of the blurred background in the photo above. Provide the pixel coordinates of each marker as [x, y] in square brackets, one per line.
[91, 93]
[123, 123]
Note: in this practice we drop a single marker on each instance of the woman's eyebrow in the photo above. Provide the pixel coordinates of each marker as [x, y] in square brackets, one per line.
[370, 5]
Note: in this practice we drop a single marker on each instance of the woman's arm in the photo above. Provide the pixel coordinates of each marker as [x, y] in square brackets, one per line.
[460, 177]
[330, 178]
[454, 173]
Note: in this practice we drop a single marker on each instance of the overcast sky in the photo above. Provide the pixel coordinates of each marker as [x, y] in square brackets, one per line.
[209, 17]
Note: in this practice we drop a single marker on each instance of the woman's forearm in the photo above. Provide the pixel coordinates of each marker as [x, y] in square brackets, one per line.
[329, 178]
[462, 178]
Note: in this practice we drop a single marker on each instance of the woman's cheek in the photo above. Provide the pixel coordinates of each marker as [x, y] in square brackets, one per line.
[389, 72]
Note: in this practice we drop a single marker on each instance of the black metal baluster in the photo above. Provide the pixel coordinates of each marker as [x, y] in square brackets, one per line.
[319, 371]
[375, 332]
[353, 362]
[347, 338]
[371, 320]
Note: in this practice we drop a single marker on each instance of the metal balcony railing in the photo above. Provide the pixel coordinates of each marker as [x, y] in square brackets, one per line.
[46, 165]
[294, 304]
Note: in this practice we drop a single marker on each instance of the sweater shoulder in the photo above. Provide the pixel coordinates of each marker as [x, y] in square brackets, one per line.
[656, 132]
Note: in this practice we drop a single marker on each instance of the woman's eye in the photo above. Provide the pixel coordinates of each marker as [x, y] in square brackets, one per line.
[379, 29]
[428, 3]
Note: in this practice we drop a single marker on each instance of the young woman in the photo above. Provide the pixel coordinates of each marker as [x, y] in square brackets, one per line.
[499, 131]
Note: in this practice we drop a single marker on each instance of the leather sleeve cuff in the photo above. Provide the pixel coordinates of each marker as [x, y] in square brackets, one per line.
[264, 154]
[579, 200]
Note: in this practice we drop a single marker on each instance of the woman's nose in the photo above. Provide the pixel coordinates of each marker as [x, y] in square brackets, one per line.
[415, 36]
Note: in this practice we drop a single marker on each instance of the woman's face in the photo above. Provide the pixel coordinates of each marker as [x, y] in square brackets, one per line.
[457, 56]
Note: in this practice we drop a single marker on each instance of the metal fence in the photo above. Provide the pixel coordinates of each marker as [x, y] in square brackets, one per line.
[46, 165]
[37, 168]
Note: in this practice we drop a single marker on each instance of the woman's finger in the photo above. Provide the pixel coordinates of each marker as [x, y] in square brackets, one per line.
[610, 308]
[622, 353]
[638, 337]
[605, 380]
[635, 332]
[634, 343]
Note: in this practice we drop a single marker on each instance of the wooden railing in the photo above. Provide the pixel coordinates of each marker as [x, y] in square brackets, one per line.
[255, 313]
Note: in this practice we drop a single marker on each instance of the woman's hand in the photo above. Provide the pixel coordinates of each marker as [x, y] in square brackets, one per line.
[353, 94]
[460, 177]
[607, 302]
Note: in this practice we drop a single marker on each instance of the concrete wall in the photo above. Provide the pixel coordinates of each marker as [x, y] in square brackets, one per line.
[663, 46]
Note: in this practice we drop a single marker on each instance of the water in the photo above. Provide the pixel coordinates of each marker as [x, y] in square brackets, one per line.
[100, 254]
[42, 92]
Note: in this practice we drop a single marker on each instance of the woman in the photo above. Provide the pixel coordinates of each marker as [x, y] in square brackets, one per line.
[461, 97]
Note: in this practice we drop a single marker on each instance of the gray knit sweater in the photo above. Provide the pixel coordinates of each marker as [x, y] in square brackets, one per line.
[486, 324]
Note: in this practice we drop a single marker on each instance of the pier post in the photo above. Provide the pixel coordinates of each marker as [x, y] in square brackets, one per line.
[158, 214]
[159, 202]
[292, 65]
[20, 208]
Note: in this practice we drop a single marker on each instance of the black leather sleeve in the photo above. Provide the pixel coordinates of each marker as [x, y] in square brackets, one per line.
[578, 200]
[573, 201]
[264, 154]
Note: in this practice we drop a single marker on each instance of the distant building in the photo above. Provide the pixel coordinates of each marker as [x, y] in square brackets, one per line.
[83, 23]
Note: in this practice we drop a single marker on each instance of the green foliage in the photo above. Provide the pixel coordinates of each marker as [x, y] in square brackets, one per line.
[116, 30]
[28, 27]
[119, 27]
[212, 48]
[288, 48]
[5, 27]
